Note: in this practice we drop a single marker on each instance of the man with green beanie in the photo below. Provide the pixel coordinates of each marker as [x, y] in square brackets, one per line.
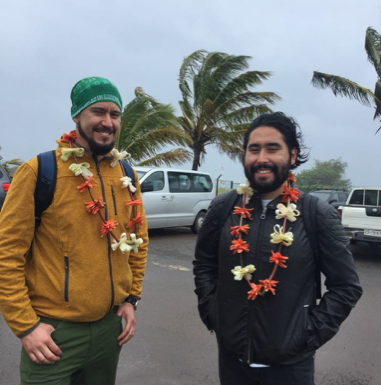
[68, 282]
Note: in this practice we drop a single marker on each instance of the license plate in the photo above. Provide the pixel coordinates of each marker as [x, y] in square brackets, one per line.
[372, 233]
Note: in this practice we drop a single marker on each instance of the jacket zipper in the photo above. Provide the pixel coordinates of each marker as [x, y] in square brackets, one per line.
[257, 251]
[107, 236]
[113, 199]
[66, 288]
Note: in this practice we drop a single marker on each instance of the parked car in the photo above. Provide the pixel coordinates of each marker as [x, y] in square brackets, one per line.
[361, 215]
[335, 198]
[5, 182]
[175, 198]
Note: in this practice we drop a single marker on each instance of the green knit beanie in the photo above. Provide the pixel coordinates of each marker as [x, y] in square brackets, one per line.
[92, 90]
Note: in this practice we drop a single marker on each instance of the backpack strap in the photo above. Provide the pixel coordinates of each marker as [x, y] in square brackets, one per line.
[310, 224]
[129, 171]
[45, 185]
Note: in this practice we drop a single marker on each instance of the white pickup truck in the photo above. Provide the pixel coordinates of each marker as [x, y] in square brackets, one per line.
[361, 215]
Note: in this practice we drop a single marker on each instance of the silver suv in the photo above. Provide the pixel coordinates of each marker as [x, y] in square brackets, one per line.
[5, 182]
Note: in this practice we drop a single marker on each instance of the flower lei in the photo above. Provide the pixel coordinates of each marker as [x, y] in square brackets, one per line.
[95, 206]
[279, 236]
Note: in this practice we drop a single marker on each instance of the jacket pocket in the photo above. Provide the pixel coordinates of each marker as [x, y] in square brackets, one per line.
[205, 296]
[66, 284]
[313, 342]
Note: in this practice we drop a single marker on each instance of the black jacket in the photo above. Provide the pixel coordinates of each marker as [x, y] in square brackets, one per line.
[286, 327]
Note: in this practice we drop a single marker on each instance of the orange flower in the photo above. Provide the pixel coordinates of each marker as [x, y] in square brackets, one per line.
[70, 137]
[268, 285]
[94, 206]
[136, 221]
[236, 230]
[278, 259]
[291, 178]
[87, 184]
[108, 226]
[136, 202]
[243, 212]
[239, 246]
[293, 193]
[255, 289]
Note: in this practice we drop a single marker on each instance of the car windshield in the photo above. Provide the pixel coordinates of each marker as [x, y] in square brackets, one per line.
[141, 173]
[321, 194]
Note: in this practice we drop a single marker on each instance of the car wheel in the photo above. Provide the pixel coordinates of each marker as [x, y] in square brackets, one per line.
[198, 222]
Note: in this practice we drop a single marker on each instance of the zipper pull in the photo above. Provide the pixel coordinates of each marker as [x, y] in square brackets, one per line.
[263, 215]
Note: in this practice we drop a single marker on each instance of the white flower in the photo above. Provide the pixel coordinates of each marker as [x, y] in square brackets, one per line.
[127, 182]
[290, 212]
[278, 236]
[67, 152]
[125, 244]
[240, 272]
[118, 156]
[81, 169]
[244, 188]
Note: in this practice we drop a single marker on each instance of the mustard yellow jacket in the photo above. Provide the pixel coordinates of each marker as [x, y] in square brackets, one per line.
[70, 273]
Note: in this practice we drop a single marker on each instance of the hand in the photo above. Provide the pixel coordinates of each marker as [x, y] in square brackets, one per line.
[127, 311]
[40, 346]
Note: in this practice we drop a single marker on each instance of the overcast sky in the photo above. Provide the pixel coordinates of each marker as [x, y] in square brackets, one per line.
[48, 45]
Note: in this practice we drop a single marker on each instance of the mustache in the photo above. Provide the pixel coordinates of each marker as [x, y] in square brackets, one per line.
[256, 167]
[104, 129]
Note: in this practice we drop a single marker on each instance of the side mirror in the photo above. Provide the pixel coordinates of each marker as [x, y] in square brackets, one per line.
[333, 201]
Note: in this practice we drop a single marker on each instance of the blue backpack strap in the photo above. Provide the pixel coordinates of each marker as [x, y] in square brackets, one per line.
[46, 183]
[129, 171]
[310, 224]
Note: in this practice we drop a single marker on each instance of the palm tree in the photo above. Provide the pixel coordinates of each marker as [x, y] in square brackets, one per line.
[345, 87]
[218, 103]
[9, 163]
[146, 128]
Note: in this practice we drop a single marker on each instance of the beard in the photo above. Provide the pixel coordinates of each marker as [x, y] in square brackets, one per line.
[280, 176]
[95, 148]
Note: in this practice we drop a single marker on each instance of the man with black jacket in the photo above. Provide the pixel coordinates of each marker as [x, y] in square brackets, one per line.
[255, 266]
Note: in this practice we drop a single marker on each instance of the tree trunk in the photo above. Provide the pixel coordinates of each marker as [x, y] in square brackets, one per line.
[196, 159]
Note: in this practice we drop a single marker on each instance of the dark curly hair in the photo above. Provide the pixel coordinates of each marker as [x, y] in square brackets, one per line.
[289, 129]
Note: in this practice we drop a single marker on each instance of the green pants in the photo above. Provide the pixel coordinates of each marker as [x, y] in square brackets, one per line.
[90, 354]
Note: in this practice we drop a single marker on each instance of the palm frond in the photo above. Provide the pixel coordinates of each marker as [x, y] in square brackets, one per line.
[148, 126]
[229, 67]
[241, 84]
[9, 163]
[13, 162]
[151, 142]
[343, 87]
[221, 136]
[177, 156]
[246, 99]
[187, 112]
[139, 93]
[373, 48]
[189, 68]
[233, 152]
[204, 86]
[244, 115]
[377, 99]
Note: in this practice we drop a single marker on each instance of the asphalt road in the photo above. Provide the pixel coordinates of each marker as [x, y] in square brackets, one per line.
[172, 347]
